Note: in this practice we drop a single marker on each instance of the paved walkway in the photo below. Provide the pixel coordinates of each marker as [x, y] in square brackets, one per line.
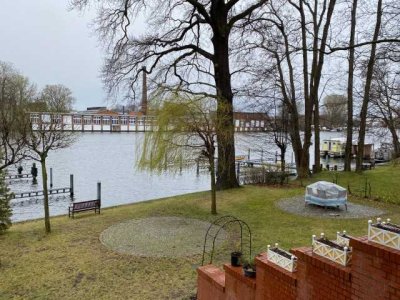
[157, 237]
[297, 206]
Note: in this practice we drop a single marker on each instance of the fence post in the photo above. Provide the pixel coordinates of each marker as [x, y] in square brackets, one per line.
[71, 185]
[238, 172]
[99, 191]
[51, 177]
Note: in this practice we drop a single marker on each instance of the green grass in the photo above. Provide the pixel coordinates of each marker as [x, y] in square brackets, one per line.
[71, 263]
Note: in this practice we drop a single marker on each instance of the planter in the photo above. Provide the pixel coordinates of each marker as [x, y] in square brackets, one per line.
[249, 271]
[282, 258]
[236, 259]
[384, 233]
[342, 239]
[331, 250]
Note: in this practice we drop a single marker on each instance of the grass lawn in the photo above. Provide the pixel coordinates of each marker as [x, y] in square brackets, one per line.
[71, 263]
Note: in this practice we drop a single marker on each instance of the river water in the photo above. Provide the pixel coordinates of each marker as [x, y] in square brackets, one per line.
[110, 158]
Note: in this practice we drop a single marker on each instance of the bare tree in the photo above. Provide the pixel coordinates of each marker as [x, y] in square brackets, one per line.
[385, 100]
[350, 84]
[189, 42]
[43, 138]
[16, 92]
[58, 98]
[294, 36]
[335, 110]
[367, 89]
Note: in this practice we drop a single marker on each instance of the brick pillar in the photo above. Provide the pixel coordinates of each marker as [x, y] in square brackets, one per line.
[375, 270]
[238, 286]
[210, 283]
[274, 282]
[320, 278]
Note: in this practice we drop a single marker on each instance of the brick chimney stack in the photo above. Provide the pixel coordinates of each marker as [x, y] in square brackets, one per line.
[143, 108]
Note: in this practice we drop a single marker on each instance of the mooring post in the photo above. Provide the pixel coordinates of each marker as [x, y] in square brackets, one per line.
[197, 167]
[238, 171]
[248, 155]
[71, 185]
[180, 165]
[51, 177]
[99, 191]
[262, 155]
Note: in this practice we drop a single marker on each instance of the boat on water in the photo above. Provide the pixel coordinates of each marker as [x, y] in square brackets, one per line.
[334, 147]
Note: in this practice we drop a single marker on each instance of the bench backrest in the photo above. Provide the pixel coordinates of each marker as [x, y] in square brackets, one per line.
[86, 204]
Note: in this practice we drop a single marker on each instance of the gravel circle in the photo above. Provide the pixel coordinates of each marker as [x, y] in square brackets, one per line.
[297, 206]
[157, 237]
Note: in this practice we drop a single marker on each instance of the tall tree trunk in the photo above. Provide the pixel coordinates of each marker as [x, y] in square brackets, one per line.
[367, 90]
[46, 195]
[304, 156]
[226, 176]
[213, 187]
[317, 150]
[350, 84]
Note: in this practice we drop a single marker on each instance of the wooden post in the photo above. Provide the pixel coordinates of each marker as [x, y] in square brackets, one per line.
[51, 177]
[197, 167]
[99, 191]
[71, 185]
[238, 172]
[248, 155]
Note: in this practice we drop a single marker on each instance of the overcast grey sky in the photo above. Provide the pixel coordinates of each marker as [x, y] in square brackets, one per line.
[52, 45]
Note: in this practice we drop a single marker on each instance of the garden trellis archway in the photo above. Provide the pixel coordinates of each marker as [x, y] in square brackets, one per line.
[217, 228]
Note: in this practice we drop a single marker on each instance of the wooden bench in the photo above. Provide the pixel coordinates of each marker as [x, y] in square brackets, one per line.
[84, 206]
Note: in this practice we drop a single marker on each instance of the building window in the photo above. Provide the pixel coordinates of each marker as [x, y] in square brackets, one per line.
[77, 120]
[87, 120]
[34, 118]
[124, 120]
[96, 120]
[106, 120]
[132, 120]
[115, 120]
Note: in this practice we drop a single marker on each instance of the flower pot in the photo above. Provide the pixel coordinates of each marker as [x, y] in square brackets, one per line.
[236, 259]
[249, 271]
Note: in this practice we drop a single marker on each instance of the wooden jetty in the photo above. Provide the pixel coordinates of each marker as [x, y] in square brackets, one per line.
[41, 193]
[17, 176]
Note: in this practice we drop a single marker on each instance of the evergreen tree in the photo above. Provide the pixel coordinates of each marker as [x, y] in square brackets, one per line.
[5, 209]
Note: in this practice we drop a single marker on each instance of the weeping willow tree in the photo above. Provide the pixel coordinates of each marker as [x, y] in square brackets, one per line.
[185, 133]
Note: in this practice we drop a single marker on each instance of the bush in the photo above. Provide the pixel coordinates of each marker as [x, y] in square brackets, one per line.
[5, 209]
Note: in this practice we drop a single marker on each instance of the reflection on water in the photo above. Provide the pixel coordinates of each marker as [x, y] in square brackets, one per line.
[110, 158]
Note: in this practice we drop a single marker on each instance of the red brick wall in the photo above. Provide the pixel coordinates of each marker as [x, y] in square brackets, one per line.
[320, 278]
[274, 282]
[237, 286]
[374, 273]
[210, 283]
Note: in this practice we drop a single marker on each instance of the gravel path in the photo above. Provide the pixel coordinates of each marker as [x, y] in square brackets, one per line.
[296, 206]
[157, 237]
